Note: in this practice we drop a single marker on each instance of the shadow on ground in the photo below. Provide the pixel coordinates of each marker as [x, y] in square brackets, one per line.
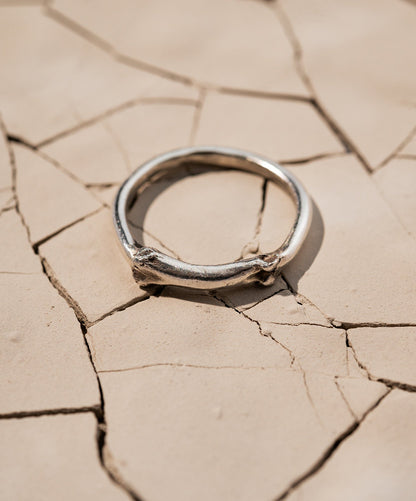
[242, 295]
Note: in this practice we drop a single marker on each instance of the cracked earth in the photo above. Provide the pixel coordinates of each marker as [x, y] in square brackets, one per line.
[304, 390]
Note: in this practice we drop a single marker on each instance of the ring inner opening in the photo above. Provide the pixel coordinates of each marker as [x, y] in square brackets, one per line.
[210, 214]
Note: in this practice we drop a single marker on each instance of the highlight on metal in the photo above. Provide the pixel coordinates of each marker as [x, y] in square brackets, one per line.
[152, 267]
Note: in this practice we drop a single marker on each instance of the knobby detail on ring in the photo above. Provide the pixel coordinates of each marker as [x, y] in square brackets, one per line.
[152, 267]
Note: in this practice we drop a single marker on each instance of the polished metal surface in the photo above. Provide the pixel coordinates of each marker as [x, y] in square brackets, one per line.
[150, 266]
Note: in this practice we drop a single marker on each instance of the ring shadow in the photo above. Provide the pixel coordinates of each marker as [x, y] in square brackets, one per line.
[239, 295]
[303, 260]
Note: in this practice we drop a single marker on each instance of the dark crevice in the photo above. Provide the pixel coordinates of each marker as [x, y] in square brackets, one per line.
[297, 324]
[253, 245]
[7, 207]
[47, 270]
[122, 307]
[51, 412]
[101, 186]
[132, 62]
[19, 140]
[344, 398]
[274, 293]
[262, 332]
[389, 383]
[398, 149]
[301, 300]
[337, 324]
[263, 94]
[113, 111]
[43, 240]
[347, 341]
[313, 158]
[102, 44]
[99, 411]
[342, 136]
[101, 432]
[330, 451]
[35, 149]
[357, 360]
[151, 235]
[300, 68]
[396, 384]
[263, 204]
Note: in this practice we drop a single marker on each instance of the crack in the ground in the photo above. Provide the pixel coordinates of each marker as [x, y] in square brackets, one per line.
[131, 103]
[17, 273]
[80, 316]
[45, 239]
[122, 307]
[56, 284]
[397, 150]
[261, 210]
[320, 156]
[337, 324]
[73, 26]
[99, 411]
[100, 415]
[389, 383]
[302, 300]
[344, 398]
[191, 366]
[119, 145]
[7, 209]
[393, 209]
[51, 412]
[101, 433]
[262, 332]
[112, 52]
[309, 397]
[359, 363]
[101, 186]
[275, 293]
[329, 451]
[262, 94]
[346, 141]
[151, 235]
[294, 362]
[252, 246]
[406, 156]
[47, 158]
[197, 116]
[297, 324]
[396, 384]
[9, 203]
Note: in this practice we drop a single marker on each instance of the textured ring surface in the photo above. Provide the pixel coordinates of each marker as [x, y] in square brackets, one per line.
[150, 266]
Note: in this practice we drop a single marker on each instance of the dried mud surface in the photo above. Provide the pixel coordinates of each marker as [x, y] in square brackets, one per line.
[303, 390]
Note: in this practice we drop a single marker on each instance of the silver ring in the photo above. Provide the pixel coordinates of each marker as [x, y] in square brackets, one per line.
[152, 267]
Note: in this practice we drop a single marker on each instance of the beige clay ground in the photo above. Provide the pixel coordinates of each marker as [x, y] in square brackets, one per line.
[303, 391]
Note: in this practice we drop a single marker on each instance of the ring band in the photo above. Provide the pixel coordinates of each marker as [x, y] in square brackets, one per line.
[152, 267]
